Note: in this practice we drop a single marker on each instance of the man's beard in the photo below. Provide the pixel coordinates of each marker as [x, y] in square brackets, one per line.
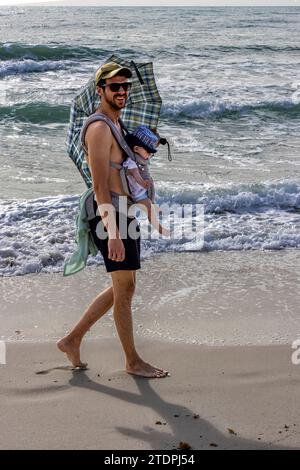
[117, 106]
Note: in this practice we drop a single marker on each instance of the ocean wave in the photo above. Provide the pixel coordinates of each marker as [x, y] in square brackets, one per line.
[61, 52]
[41, 112]
[234, 198]
[208, 51]
[36, 113]
[38, 235]
[29, 66]
[198, 108]
[41, 52]
[253, 47]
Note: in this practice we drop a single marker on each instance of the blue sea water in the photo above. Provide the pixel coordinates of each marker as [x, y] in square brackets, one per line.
[230, 83]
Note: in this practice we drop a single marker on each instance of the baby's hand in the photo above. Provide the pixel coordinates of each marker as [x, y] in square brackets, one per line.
[146, 184]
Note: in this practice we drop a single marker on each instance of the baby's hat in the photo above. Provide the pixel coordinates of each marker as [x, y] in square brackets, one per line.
[143, 137]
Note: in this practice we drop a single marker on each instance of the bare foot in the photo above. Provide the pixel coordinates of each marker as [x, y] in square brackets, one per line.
[71, 349]
[144, 369]
[165, 232]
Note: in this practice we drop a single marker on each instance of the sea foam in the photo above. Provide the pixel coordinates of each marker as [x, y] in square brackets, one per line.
[38, 235]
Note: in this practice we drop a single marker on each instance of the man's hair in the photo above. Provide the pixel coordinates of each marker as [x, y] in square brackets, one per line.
[101, 82]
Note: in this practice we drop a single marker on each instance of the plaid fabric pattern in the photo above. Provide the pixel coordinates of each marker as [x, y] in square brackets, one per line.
[142, 108]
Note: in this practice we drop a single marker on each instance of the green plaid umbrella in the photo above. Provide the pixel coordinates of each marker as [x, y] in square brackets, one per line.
[142, 108]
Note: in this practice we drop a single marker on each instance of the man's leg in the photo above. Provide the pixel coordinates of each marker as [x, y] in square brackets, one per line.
[70, 344]
[124, 286]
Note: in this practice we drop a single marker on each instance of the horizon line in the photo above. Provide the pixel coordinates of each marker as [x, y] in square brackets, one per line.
[56, 3]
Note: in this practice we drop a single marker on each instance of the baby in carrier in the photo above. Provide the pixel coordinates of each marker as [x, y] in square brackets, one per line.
[143, 143]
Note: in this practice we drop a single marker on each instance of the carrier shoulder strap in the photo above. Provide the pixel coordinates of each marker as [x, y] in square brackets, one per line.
[115, 131]
[119, 138]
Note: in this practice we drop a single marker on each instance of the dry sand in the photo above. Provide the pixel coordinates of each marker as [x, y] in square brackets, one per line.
[253, 391]
[222, 394]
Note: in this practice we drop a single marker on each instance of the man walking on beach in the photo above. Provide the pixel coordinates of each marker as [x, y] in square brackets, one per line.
[121, 255]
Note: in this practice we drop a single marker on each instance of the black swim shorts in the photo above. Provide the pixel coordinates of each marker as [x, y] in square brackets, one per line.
[132, 245]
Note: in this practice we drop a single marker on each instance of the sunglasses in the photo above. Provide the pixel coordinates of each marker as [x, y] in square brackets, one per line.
[116, 86]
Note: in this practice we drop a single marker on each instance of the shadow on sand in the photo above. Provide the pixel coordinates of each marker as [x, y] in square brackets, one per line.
[199, 433]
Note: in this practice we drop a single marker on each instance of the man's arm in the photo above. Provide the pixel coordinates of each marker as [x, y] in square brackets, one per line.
[99, 142]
